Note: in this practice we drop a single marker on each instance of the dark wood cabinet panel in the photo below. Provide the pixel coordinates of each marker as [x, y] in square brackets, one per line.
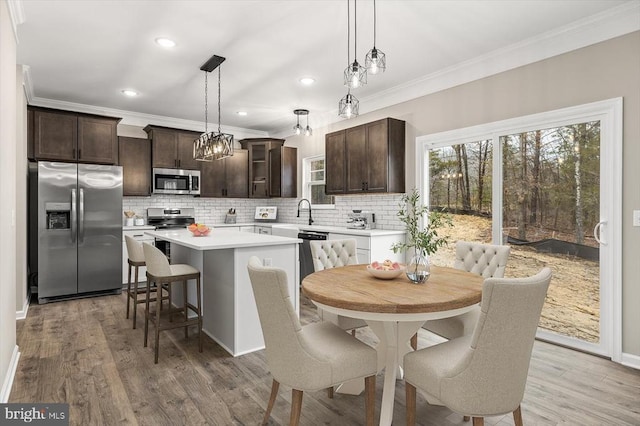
[356, 159]
[335, 163]
[237, 177]
[185, 151]
[228, 177]
[69, 136]
[172, 148]
[283, 171]
[55, 136]
[366, 158]
[135, 159]
[97, 140]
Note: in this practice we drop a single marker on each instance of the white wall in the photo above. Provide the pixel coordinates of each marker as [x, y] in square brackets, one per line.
[8, 348]
[22, 302]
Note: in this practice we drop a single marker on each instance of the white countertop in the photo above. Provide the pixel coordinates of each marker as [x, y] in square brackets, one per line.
[221, 239]
[320, 228]
[138, 228]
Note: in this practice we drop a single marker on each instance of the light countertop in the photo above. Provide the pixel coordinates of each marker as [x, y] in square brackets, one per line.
[138, 228]
[320, 228]
[221, 239]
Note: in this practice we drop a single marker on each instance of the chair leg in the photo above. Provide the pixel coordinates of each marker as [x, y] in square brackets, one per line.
[370, 401]
[466, 418]
[199, 297]
[410, 403]
[272, 399]
[129, 290]
[478, 421]
[157, 348]
[517, 416]
[146, 312]
[186, 310]
[414, 342]
[330, 392]
[296, 407]
[135, 298]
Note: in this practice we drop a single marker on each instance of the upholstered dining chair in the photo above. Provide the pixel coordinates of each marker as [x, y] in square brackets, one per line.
[160, 272]
[486, 260]
[483, 373]
[309, 358]
[329, 254]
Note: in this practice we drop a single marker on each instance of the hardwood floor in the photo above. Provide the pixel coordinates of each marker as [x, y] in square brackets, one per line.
[85, 352]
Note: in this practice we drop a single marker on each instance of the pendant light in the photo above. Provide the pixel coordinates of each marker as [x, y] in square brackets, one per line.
[211, 145]
[298, 128]
[375, 61]
[355, 75]
[349, 105]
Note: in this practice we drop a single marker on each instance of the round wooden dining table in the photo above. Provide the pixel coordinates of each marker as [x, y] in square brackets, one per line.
[394, 309]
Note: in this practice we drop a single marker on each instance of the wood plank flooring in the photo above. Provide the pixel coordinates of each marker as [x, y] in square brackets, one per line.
[85, 352]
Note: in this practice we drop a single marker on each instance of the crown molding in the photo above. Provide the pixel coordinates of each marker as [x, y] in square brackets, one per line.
[16, 14]
[597, 28]
[141, 120]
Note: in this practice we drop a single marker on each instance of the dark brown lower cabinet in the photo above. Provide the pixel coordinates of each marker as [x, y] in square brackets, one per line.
[135, 159]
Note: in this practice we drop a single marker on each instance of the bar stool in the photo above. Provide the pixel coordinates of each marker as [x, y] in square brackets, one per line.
[160, 272]
[135, 261]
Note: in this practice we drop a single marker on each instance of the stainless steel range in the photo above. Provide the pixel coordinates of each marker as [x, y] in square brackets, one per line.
[169, 218]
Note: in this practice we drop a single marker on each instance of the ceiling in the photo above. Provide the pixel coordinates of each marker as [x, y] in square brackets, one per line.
[84, 53]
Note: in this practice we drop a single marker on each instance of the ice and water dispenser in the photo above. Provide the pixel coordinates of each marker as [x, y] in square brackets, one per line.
[58, 215]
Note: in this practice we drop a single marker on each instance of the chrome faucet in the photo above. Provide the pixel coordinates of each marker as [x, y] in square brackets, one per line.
[308, 202]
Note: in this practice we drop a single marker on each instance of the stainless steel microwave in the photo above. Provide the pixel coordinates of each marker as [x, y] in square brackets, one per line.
[176, 181]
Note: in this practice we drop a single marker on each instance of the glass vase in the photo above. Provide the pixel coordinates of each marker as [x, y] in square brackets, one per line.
[418, 269]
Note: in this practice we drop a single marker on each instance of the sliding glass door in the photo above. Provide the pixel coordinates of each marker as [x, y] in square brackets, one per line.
[543, 185]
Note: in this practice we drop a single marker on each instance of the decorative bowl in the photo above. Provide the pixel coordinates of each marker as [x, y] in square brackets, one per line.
[199, 230]
[385, 274]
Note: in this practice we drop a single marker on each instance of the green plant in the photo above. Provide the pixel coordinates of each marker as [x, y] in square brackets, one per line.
[426, 240]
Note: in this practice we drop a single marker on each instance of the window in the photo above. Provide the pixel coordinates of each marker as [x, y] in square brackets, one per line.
[313, 181]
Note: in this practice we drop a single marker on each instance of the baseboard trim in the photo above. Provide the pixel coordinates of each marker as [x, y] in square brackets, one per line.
[10, 374]
[630, 360]
[22, 314]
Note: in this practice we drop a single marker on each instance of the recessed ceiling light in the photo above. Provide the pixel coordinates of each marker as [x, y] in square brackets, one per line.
[307, 81]
[130, 93]
[165, 42]
[243, 113]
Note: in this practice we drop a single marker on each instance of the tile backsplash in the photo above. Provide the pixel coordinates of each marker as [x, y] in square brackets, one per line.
[212, 210]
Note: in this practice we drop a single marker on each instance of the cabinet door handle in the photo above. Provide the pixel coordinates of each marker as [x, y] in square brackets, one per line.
[366, 186]
[73, 153]
[79, 154]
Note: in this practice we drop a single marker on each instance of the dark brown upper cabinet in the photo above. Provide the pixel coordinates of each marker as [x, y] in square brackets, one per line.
[366, 159]
[69, 136]
[283, 171]
[135, 159]
[172, 148]
[228, 177]
[271, 175]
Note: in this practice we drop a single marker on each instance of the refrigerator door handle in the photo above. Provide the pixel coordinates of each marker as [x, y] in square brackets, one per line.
[81, 217]
[74, 217]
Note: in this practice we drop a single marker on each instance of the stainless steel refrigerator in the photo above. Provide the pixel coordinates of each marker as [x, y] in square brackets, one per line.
[75, 229]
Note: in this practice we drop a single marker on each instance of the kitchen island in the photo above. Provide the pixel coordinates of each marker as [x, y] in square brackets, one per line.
[229, 314]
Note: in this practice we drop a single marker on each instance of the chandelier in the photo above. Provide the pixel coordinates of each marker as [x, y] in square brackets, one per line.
[349, 105]
[355, 75]
[298, 129]
[211, 145]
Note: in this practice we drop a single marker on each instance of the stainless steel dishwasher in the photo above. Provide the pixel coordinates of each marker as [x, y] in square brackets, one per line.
[306, 261]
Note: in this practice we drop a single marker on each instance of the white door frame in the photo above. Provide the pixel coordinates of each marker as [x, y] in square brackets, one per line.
[609, 113]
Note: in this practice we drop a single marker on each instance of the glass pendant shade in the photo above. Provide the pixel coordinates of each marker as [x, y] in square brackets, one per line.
[308, 131]
[355, 75]
[348, 106]
[375, 61]
[297, 129]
